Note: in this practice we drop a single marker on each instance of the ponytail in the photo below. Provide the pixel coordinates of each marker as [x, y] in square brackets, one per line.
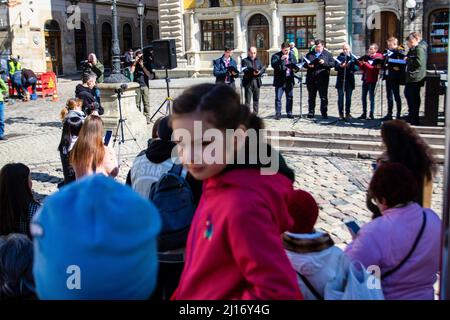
[71, 104]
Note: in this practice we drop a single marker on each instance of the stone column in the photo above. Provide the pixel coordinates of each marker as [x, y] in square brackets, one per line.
[275, 26]
[191, 30]
[238, 28]
[335, 25]
[171, 26]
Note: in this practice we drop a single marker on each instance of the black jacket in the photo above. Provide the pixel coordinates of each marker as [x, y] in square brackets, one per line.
[279, 69]
[347, 73]
[391, 75]
[27, 74]
[89, 102]
[321, 72]
[248, 73]
[220, 71]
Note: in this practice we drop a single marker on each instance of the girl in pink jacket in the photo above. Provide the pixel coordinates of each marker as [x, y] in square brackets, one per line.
[234, 249]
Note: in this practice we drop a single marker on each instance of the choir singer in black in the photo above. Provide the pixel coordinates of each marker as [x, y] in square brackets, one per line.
[253, 70]
[284, 66]
[319, 63]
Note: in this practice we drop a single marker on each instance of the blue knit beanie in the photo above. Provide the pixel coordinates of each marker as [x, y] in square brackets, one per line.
[95, 239]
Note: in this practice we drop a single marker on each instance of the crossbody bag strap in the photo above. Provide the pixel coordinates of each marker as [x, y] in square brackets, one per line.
[176, 169]
[424, 222]
[310, 286]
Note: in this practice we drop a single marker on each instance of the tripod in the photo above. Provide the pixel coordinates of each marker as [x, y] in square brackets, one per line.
[167, 100]
[121, 123]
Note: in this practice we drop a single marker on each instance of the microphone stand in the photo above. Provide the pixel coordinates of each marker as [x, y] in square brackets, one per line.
[300, 83]
[344, 85]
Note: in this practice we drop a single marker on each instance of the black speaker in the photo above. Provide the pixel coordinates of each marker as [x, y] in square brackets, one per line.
[164, 54]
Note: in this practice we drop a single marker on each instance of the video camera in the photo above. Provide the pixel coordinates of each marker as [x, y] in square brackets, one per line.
[85, 66]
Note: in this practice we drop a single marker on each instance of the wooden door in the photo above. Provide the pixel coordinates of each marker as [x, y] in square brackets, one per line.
[53, 47]
[389, 27]
[259, 38]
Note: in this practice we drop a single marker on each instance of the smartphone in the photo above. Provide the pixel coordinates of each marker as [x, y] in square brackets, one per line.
[108, 136]
[353, 227]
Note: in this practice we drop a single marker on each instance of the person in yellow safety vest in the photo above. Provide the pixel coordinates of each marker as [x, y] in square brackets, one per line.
[15, 66]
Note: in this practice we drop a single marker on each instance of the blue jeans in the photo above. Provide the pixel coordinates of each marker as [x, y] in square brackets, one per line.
[31, 82]
[18, 87]
[368, 88]
[348, 100]
[97, 94]
[2, 118]
[287, 88]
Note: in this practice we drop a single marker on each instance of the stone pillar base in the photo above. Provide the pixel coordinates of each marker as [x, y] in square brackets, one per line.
[135, 120]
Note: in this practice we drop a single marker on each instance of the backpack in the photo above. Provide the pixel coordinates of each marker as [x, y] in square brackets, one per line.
[172, 195]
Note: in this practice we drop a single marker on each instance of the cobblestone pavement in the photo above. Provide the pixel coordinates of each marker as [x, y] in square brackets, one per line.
[34, 128]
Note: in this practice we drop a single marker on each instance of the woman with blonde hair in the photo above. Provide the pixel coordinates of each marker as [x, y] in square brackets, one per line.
[90, 155]
[73, 104]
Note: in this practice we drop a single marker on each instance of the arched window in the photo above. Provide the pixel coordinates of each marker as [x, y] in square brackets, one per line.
[127, 37]
[51, 25]
[149, 34]
[258, 20]
[106, 43]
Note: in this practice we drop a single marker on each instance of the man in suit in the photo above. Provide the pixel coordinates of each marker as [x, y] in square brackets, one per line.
[253, 70]
[317, 77]
[283, 78]
[225, 68]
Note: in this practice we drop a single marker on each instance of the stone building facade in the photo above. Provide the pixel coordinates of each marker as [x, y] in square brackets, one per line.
[202, 28]
[55, 35]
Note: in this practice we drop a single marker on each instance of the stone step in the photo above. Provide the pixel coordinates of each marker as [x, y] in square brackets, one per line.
[432, 139]
[341, 153]
[321, 143]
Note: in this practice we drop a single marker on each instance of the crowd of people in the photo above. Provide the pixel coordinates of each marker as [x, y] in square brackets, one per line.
[395, 66]
[179, 229]
[183, 230]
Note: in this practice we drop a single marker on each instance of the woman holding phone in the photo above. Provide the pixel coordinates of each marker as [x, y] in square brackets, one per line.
[90, 155]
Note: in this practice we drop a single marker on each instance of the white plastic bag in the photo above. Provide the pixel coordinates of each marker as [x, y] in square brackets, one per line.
[352, 283]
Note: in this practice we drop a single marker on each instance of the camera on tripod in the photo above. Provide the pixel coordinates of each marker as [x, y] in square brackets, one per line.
[122, 87]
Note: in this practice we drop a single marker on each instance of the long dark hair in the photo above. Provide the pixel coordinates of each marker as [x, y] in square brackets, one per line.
[404, 145]
[71, 128]
[15, 197]
[220, 103]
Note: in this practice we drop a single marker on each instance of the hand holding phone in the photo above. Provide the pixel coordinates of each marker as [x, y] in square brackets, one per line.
[108, 136]
[353, 228]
